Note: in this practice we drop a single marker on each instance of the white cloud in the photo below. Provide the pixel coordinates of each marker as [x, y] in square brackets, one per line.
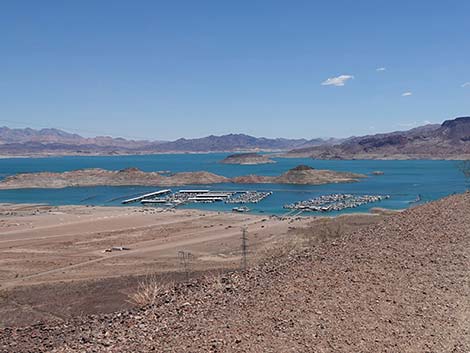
[407, 94]
[337, 81]
[466, 84]
[380, 69]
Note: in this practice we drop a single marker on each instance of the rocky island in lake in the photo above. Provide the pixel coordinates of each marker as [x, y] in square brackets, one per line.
[102, 177]
[302, 175]
[247, 159]
[132, 176]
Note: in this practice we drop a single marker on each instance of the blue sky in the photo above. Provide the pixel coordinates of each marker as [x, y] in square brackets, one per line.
[169, 69]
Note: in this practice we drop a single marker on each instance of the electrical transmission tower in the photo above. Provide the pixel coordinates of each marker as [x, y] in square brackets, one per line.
[185, 260]
[244, 247]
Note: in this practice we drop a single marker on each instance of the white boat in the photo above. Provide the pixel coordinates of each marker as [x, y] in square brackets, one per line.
[240, 209]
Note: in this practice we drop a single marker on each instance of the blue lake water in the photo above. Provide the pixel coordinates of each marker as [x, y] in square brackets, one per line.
[402, 180]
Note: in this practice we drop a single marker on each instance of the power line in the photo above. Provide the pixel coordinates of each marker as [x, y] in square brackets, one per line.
[244, 248]
[185, 260]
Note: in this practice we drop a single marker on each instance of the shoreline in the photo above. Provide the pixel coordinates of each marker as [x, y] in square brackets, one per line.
[119, 154]
[276, 154]
[373, 211]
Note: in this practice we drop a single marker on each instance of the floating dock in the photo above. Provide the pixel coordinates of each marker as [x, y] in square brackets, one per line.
[146, 196]
[205, 199]
[335, 202]
[146, 201]
[184, 196]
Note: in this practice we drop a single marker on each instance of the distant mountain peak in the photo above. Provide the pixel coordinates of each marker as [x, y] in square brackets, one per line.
[54, 141]
[451, 139]
[456, 121]
[456, 129]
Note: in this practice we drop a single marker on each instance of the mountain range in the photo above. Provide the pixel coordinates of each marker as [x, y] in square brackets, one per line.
[449, 140]
[53, 141]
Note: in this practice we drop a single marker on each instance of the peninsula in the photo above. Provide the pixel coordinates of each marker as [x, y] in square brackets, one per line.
[133, 176]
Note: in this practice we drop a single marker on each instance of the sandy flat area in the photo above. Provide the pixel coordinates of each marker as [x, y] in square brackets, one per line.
[54, 263]
[43, 244]
[54, 254]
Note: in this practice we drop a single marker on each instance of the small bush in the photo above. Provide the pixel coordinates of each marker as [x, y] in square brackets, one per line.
[149, 291]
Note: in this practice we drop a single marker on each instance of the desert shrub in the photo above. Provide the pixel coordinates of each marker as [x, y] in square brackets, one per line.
[150, 290]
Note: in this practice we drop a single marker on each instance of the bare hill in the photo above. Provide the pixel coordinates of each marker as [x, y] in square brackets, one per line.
[450, 140]
[399, 286]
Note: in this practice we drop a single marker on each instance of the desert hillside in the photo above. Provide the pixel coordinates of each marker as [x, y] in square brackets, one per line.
[450, 140]
[401, 285]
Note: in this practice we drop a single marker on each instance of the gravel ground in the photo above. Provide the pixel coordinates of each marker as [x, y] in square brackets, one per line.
[400, 286]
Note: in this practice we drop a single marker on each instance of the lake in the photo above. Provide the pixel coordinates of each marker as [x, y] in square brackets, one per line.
[402, 180]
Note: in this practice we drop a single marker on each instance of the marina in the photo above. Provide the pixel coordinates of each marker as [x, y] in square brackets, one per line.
[249, 197]
[196, 196]
[323, 203]
[335, 202]
[142, 197]
[188, 196]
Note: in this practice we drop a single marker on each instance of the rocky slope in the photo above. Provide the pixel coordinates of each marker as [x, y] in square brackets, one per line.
[399, 286]
[247, 159]
[134, 176]
[451, 140]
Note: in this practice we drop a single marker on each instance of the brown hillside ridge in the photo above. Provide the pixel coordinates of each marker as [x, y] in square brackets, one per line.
[450, 140]
[134, 176]
[402, 285]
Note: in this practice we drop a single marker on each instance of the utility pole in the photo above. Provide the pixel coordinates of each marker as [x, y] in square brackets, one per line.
[244, 247]
[185, 260]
